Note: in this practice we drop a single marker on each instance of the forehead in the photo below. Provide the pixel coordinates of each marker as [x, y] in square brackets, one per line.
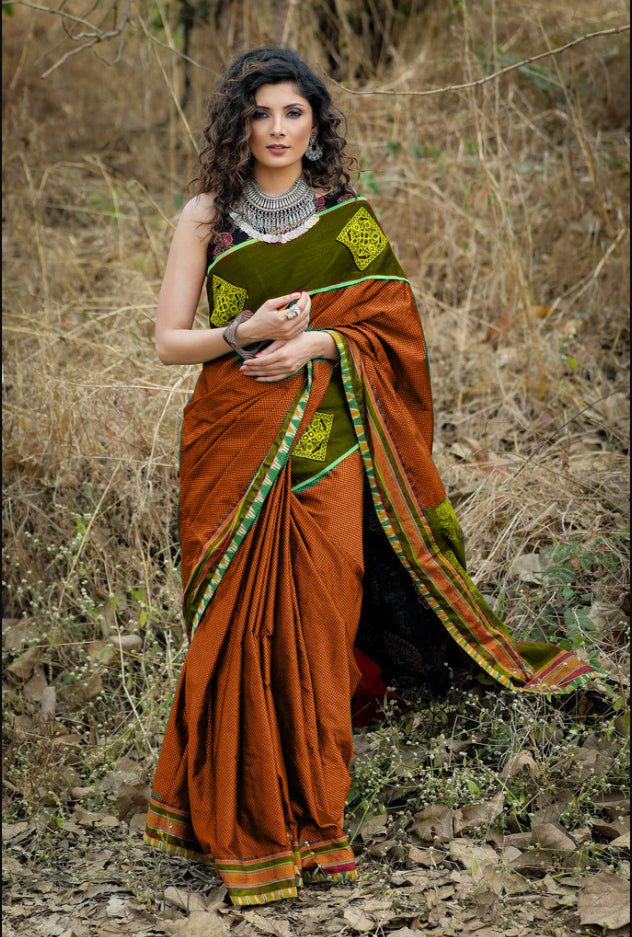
[279, 95]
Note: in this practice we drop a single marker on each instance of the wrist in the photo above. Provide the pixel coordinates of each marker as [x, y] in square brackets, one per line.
[325, 346]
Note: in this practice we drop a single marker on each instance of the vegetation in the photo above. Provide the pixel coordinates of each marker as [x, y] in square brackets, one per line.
[508, 204]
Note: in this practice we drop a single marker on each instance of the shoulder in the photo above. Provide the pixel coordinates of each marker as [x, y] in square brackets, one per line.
[198, 214]
[327, 199]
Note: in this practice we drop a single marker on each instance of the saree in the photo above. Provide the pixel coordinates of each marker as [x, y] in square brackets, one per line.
[299, 500]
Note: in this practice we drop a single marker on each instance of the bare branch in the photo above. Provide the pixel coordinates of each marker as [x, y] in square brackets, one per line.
[503, 71]
[92, 36]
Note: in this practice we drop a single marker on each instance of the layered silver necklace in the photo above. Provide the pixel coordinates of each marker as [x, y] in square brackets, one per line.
[275, 218]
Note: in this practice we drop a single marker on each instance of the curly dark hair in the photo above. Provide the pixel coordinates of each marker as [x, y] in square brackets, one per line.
[225, 160]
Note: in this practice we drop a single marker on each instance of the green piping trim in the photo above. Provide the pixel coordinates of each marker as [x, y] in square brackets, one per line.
[303, 486]
[339, 286]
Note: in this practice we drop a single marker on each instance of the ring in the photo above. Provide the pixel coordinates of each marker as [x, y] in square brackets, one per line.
[292, 314]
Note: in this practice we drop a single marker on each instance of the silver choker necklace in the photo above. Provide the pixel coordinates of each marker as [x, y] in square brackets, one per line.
[275, 218]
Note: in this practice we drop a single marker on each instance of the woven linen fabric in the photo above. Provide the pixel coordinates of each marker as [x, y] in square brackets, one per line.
[253, 773]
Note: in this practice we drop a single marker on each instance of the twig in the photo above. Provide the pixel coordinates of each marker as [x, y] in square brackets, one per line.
[503, 71]
[558, 429]
[93, 37]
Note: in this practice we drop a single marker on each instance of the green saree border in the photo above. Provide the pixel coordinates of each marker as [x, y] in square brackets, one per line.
[385, 512]
[247, 512]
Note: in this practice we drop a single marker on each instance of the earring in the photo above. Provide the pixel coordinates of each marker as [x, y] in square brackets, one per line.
[314, 149]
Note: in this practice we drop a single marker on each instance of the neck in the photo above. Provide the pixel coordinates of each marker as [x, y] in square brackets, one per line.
[275, 182]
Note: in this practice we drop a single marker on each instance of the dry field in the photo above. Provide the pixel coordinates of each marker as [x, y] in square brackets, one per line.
[508, 203]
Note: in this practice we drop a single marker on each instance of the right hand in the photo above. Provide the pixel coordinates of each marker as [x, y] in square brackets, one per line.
[270, 320]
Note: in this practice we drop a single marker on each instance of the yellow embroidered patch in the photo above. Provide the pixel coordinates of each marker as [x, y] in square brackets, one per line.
[448, 521]
[364, 238]
[313, 442]
[228, 301]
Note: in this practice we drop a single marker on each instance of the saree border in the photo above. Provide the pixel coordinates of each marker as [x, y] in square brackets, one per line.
[252, 880]
[361, 399]
[221, 547]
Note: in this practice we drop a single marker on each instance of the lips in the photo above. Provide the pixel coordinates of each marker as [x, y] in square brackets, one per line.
[278, 148]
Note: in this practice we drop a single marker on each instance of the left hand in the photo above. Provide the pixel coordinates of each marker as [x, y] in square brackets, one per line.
[282, 359]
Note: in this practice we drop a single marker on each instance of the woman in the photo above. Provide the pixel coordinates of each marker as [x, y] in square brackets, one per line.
[311, 514]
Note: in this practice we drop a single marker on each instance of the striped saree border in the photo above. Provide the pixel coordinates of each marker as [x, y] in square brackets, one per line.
[394, 499]
[257, 879]
[170, 829]
[222, 547]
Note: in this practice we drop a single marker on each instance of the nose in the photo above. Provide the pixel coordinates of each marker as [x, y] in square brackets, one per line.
[278, 126]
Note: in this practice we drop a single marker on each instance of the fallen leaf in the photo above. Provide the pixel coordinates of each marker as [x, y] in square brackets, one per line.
[552, 836]
[17, 632]
[186, 900]
[358, 920]
[472, 856]
[23, 666]
[132, 799]
[535, 860]
[276, 928]
[434, 824]
[529, 568]
[480, 814]
[197, 924]
[126, 642]
[374, 826]
[621, 842]
[519, 761]
[605, 901]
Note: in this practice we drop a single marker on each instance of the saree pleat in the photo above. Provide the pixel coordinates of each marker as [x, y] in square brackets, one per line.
[258, 745]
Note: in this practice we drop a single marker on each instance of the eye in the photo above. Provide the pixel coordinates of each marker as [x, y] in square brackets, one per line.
[258, 115]
[295, 113]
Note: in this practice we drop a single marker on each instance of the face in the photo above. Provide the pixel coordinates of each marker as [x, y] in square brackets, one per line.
[281, 128]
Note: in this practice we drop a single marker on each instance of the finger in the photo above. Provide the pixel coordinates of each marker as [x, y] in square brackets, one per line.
[280, 301]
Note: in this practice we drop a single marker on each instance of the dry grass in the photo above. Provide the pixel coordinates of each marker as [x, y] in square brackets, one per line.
[509, 209]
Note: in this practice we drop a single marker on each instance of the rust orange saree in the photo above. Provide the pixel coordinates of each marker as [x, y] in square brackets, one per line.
[279, 484]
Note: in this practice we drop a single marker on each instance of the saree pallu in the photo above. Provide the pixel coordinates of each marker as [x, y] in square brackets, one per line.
[275, 484]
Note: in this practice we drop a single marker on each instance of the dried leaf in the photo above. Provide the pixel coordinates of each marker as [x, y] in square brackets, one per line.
[197, 924]
[537, 861]
[358, 920]
[434, 824]
[519, 761]
[132, 799]
[23, 666]
[373, 827]
[472, 856]
[186, 900]
[17, 632]
[481, 814]
[529, 568]
[276, 928]
[126, 642]
[552, 836]
[605, 901]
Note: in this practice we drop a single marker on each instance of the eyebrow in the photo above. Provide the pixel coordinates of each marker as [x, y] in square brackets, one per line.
[264, 107]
